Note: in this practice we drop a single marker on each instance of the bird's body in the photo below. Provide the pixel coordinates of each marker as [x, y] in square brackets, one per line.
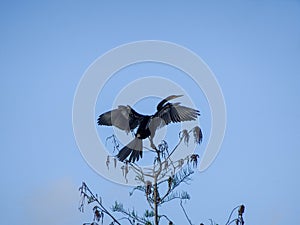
[127, 119]
[143, 130]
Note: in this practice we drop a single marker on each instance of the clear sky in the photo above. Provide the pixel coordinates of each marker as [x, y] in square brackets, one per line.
[253, 48]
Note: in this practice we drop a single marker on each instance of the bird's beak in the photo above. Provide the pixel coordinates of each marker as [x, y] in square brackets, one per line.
[173, 96]
[177, 96]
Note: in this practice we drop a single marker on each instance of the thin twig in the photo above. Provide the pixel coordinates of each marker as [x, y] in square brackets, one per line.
[139, 170]
[167, 218]
[190, 222]
[86, 188]
[234, 220]
[135, 217]
[228, 221]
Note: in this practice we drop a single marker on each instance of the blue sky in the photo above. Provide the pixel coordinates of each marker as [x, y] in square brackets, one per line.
[253, 48]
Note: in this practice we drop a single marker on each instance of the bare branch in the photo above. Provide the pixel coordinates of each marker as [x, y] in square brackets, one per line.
[232, 211]
[186, 216]
[85, 192]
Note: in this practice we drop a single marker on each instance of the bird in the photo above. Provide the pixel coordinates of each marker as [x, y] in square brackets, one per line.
[127, 119]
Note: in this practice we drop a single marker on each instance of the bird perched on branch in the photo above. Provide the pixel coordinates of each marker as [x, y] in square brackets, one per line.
[127, 119]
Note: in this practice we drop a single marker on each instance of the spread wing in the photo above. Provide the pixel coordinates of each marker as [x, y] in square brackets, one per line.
[124, 118]
[172, 113]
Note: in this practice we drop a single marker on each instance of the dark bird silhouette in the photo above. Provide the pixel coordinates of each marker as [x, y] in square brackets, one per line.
[127, 119]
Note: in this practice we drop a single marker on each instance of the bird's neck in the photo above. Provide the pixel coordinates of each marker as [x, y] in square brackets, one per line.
[161, 104]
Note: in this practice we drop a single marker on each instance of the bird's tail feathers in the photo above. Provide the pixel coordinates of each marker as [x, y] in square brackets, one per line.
[134, 149]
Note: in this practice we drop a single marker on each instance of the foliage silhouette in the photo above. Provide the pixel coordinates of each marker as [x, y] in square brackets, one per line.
[159, 185]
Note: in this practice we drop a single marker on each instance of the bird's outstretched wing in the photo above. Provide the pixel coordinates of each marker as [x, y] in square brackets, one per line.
[124, 118]
[172, 113]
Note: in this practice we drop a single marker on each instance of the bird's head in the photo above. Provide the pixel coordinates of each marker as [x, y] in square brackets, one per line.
[160, 105]
[172, 97]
